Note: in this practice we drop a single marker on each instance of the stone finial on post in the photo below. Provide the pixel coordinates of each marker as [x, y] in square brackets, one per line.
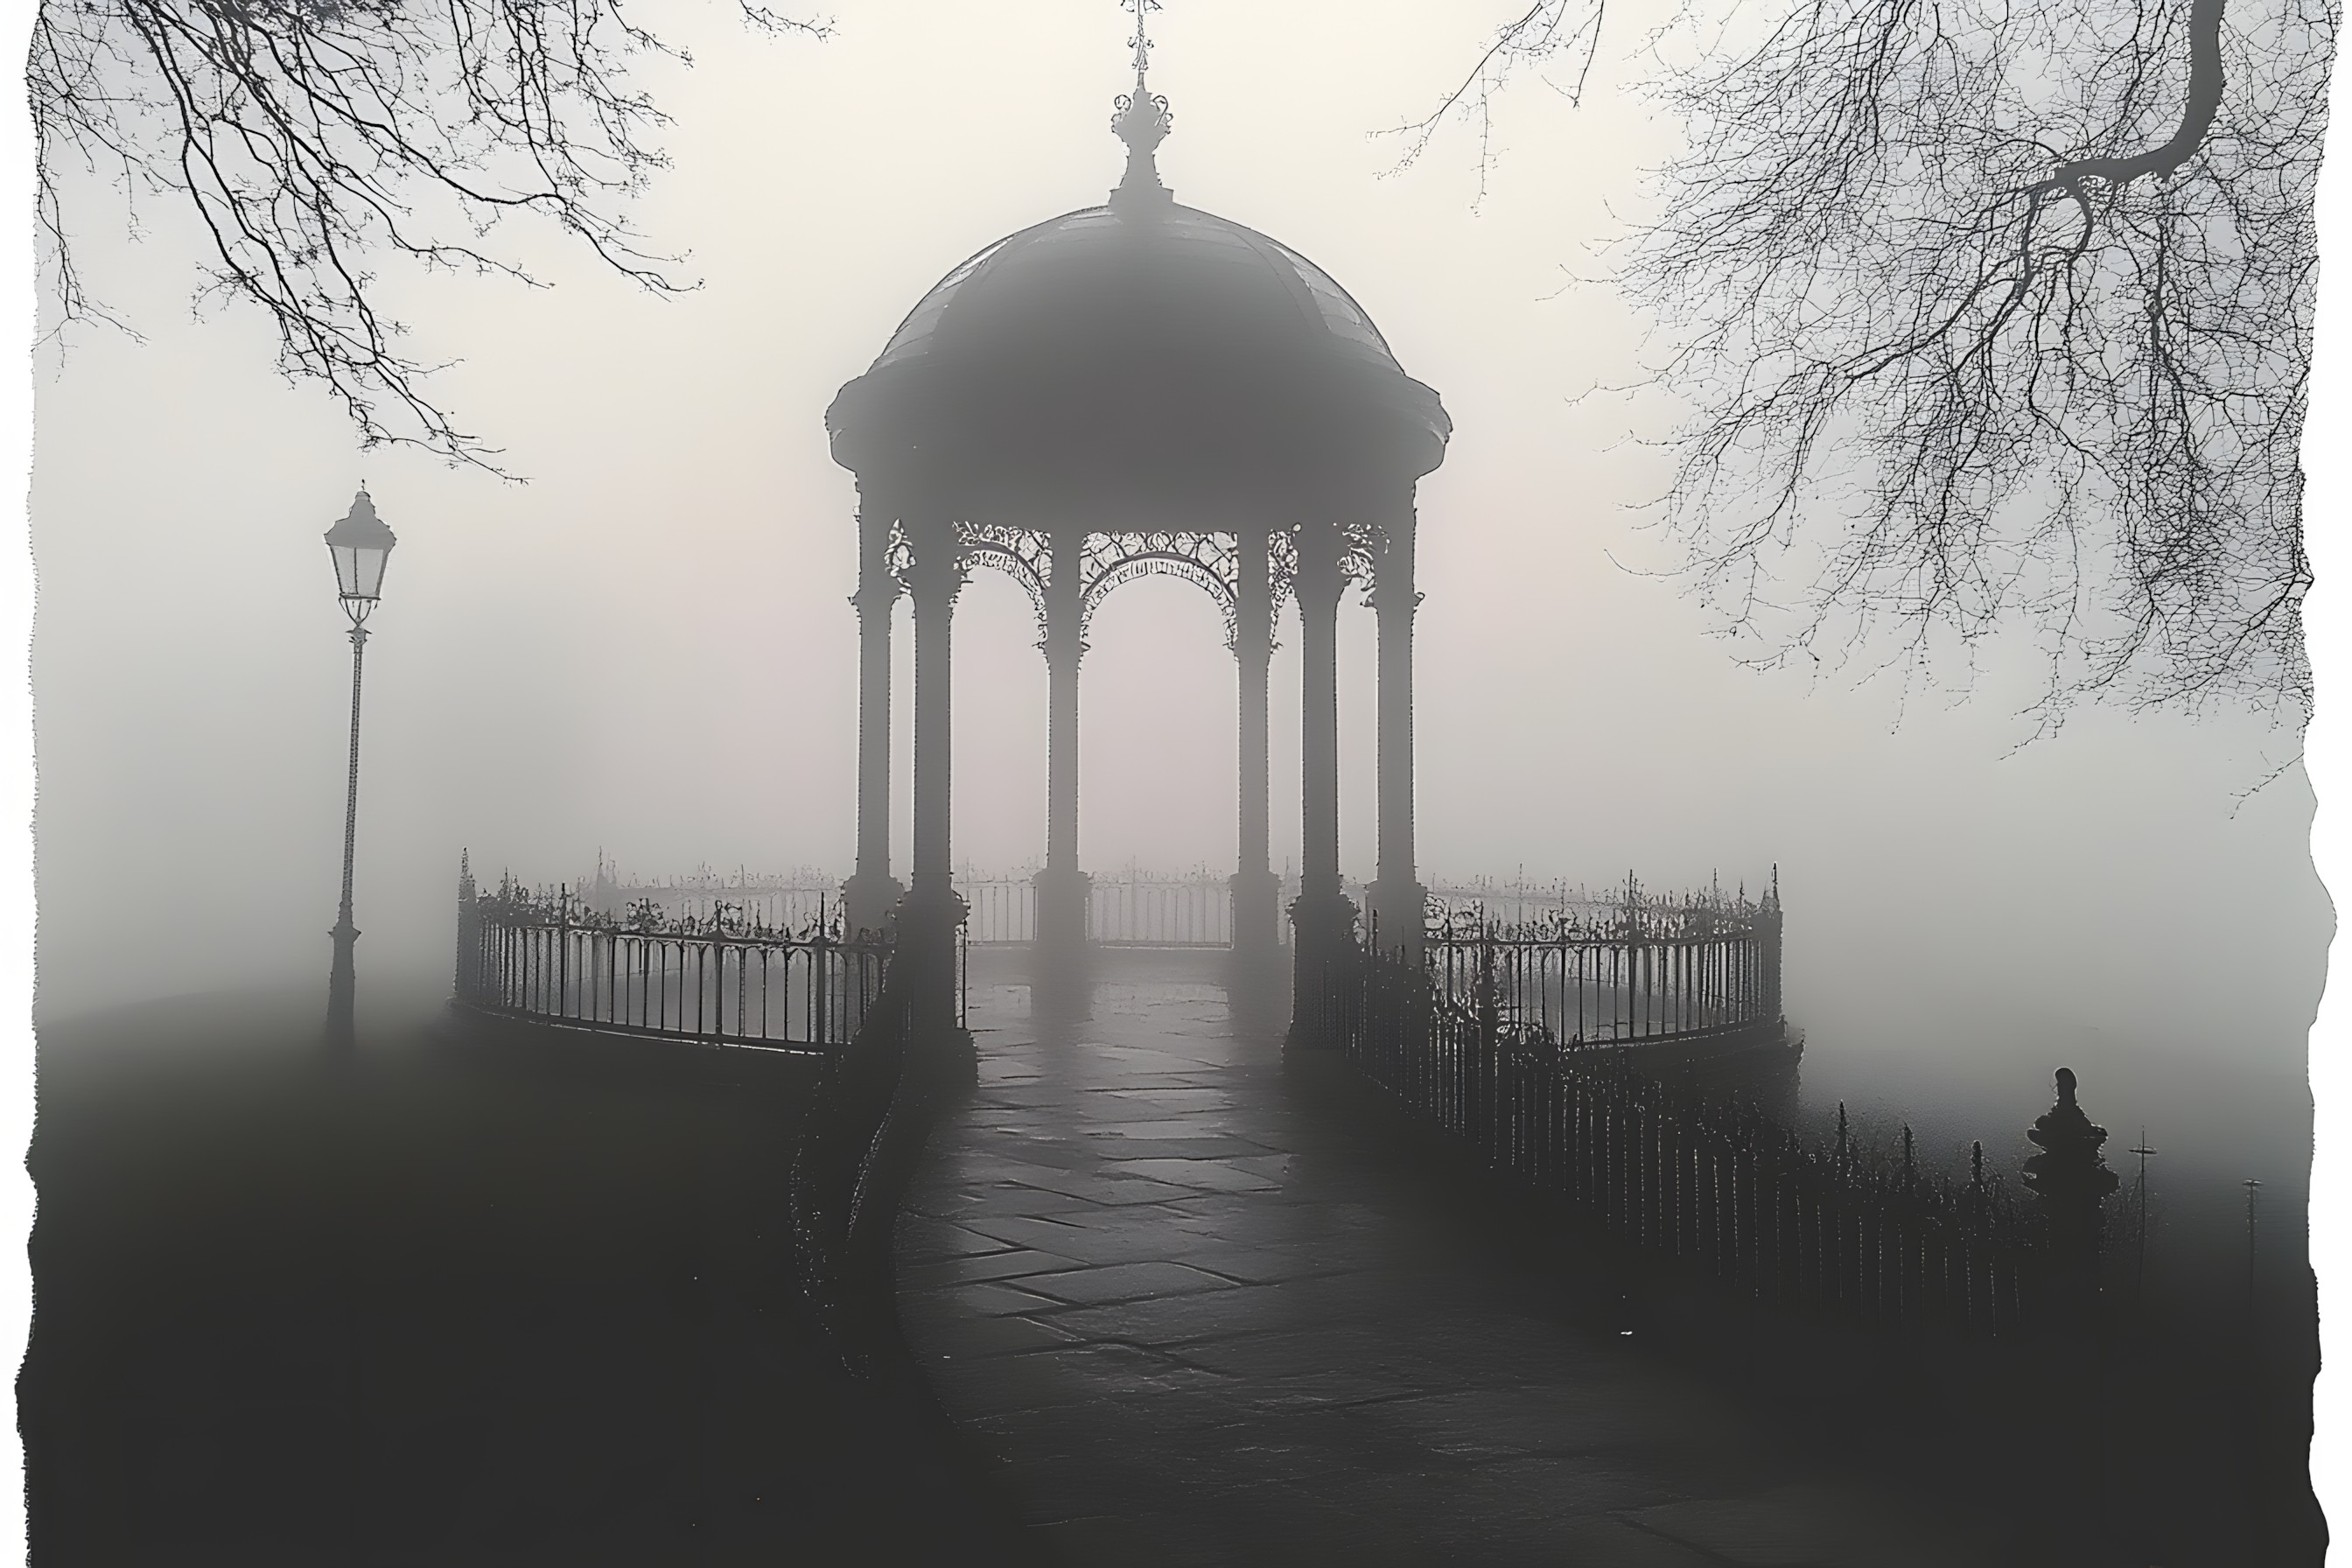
[2073, 1184]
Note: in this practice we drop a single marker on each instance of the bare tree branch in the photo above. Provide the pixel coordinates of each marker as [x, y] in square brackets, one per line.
[1993, 316]
[309, 137]
[1548, 30]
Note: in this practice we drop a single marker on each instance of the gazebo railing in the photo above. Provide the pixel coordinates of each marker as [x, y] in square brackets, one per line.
[722, 977]
[1129, 908]
[1135, 908]
[791, 901]
[999, 910]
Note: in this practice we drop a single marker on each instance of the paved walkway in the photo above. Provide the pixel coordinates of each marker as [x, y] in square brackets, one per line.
[1197, 1319]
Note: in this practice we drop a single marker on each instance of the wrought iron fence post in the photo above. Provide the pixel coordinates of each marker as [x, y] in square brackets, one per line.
[821, 962]
[562, 950]
[469, 932]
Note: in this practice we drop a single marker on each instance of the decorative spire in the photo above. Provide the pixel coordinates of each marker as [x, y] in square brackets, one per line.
[1142, 122]
[1141, 42]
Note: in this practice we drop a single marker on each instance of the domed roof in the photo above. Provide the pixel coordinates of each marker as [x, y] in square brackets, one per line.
[1140, 347]
[1249, 268]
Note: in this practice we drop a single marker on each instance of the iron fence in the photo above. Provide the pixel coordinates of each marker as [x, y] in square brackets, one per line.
[794, 901]
[1143, 908]
[1132, 908]
[1858, 1232]
[1586, 965]
[720, 975]
[1639, 970]
[1520, 900]
[1000, 910]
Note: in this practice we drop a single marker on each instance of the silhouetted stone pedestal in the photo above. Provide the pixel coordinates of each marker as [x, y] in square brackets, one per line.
[925, 959]
[867, 901]
[1395, 924]
[1257, 912]
[1061, 909]
[1324, 960]
[2073, 1184]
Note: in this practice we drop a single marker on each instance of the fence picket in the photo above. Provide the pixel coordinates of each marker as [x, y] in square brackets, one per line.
[1843, 1232]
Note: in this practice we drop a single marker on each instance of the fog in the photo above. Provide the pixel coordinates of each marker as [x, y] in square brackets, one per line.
[647, 651]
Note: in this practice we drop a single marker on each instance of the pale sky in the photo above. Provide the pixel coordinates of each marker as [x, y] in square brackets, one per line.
[648, 649]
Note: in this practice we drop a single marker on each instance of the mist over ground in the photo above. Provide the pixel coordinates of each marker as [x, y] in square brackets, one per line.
[647, 650]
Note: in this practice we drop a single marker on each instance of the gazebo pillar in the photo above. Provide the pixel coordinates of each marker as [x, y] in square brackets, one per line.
[1256, 890]
[1396, 898]
[1061, 886]
[871, 891]
[1323, 919]
[931, 911]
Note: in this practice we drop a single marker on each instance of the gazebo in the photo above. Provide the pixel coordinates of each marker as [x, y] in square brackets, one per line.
[1142, 387]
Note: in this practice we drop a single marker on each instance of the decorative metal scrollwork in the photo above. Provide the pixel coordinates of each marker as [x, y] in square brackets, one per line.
[899, 558]
[1026, 554]
[1281, 577]
[1200, 557]
[1206, 558]
[1362, 545]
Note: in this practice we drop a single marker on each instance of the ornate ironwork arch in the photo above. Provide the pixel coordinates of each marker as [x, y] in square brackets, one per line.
[1200, 556]
[1025, 555]
[1203, 557]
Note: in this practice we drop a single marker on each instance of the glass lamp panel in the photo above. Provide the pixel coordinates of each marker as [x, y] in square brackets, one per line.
[347, 569]
[370, 569]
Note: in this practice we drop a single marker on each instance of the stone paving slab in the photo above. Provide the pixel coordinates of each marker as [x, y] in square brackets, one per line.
[1196, 1319]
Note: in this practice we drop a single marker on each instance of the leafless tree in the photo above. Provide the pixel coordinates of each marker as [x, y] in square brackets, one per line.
[311, 139]
[1986, 313]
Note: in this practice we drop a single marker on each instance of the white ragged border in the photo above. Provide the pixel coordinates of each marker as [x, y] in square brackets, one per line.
[16, 287]
[2327, 751]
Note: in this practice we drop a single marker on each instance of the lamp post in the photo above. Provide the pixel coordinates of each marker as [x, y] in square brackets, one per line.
[359, 545]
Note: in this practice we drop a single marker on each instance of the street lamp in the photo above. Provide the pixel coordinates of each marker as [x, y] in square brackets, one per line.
[359, 545]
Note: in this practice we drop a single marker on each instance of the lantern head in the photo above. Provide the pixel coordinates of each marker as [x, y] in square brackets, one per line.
[359, 544]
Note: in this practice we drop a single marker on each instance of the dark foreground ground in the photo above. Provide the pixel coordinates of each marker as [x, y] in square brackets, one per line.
[446, 1303]
[512, 1301]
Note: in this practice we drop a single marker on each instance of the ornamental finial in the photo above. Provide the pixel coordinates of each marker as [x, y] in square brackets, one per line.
[1142, 121]
[1141, 42]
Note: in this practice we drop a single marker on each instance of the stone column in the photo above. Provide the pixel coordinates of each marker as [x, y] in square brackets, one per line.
[1396, 897]
[871, 891]
[1323, 920]
[1256, 890]
[931, 911]
[1061, 887]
